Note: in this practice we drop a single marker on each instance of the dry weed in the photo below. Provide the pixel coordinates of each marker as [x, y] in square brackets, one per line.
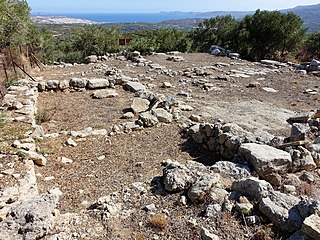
[159, 221]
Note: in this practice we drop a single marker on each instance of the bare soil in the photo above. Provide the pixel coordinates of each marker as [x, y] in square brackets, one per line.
[137, 156]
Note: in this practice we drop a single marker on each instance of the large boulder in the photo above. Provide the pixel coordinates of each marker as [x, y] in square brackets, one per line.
[252, 187]
[176, 177]
[32, 219]
[265, 159]
[280, 209]
[234, 171]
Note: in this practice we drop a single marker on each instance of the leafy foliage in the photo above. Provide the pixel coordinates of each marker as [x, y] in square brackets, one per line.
[97, 40]
[14, 22]
[312, 45]
[269, 34]
[161, 40]
[213, 31]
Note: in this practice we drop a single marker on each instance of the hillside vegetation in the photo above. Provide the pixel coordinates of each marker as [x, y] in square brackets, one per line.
[262, 35]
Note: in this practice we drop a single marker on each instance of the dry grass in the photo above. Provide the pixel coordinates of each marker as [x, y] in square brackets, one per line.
[307, 189]
[42, 116]
[158, 221]
[265, 233]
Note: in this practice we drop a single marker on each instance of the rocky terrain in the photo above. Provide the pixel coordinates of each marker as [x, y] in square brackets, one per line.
[166, 146]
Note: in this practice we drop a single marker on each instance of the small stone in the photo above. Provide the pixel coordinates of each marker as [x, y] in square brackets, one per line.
[65, 160]
[163, 115]
[104, 93]
[71, 142]
[289, 188]
[270, 90]
[139, 105]
[213, 210]
[102, 157]
[183, 200]
[134, 87]
[17, 105]
[150, 208]
[207, 235]
[50, 178]
[195, 118]
[7, 171]
[128, 115]
[16, 144]
[307, 177]
[166, 85]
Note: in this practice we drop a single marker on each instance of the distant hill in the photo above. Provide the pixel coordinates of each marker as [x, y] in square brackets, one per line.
[310, 14]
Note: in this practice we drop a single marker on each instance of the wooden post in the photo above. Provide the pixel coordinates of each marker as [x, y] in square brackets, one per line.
[5, 71]
[21, 60]
[14, 68]
[38, 61]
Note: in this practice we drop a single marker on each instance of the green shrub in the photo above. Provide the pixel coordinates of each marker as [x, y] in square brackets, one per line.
[42, 116]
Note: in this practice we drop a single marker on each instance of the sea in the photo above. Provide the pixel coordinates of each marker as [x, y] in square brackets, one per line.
[123, 17]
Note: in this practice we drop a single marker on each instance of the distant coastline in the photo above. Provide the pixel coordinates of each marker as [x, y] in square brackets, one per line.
[119, 17]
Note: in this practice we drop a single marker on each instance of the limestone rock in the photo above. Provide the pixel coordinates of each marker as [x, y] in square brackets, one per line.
[71, 142]
[139, 105]
[176, 177]
[279, 208]
[52, 85]
[64, 84]
[32, 219]
[36, 158]
[104, 93]
[78, 82]
[311, 226]
[235, 171]
[207, 235]
[17, 105]
[97, 83]
[134, 86]
[302, 159]
[199, 189]
[252, 187]
[163, 115]
[148, 119]
[91, 59]
[166, 85]
[265, 159]
[65, 160]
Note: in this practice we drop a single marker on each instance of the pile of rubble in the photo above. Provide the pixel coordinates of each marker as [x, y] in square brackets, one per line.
[231, 185]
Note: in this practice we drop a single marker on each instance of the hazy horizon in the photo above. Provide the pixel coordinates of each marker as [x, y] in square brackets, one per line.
[144, 6]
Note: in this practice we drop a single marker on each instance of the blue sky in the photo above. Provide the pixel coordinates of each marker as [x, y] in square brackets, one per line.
[161, 5]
